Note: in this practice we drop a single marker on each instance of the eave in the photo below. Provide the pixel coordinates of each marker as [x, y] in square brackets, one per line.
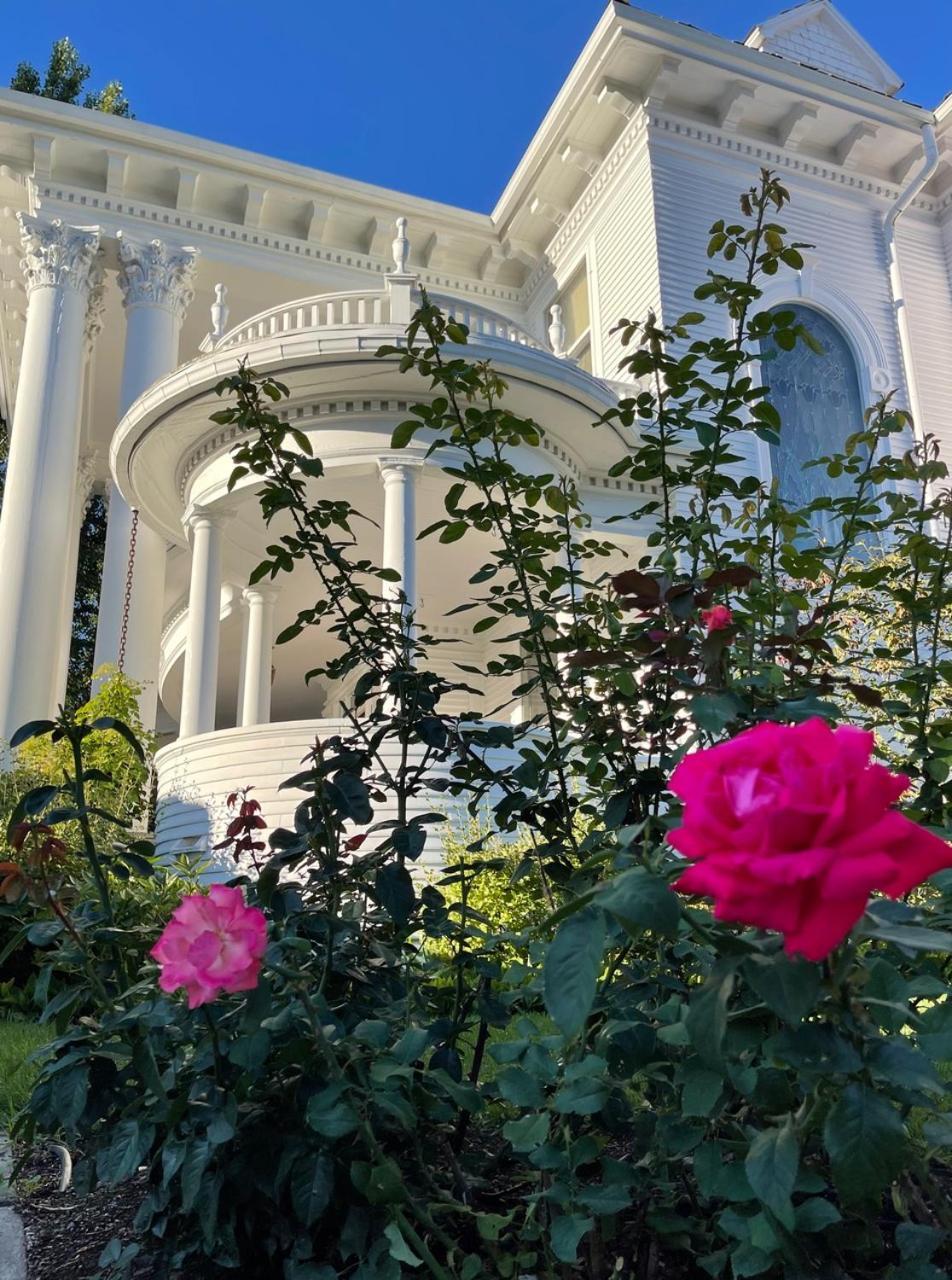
[662, 36]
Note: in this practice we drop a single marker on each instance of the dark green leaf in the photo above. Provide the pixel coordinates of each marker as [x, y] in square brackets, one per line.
[572, 965]
[771, 1167]
[866, 1141]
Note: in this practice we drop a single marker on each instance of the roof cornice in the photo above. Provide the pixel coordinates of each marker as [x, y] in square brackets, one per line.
[622, 21]
[677, 37]
[43, 115]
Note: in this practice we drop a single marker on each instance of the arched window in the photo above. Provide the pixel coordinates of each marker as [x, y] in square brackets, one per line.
[820, 404]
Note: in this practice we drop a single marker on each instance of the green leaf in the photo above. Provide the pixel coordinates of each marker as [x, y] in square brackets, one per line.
[816, 1214]
[707, 1015]
[789, 987]
[68, 1094]
[566, 1232]
[866, 1141]
[312, 1181]
[912, 937]
[399, 1249]
[193, 1170]
[393, 889]
[719, 1176]
[453, 531]
[32, 729]
[713, 712]
[572, 964]
[120, 727]
[640, 901]
[701, 1089]
[938, 1131]
[528, 1132]
[917, 1242]
[380, 1183]
[899, 1064]
[748, 1260]
[329, 1114]
[403, 433]
[771, 1167]
[520, 1088]
[128, 1148]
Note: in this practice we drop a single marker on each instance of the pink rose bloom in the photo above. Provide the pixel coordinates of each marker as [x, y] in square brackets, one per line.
[212, 943]
[717, 618]
[791, 827]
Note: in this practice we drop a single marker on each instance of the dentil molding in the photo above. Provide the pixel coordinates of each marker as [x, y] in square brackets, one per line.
[56, 255]
[155, 274]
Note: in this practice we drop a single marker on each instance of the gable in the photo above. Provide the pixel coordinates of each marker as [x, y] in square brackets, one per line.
[817, 35]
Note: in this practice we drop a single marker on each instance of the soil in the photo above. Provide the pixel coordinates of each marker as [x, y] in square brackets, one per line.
[66, 1233]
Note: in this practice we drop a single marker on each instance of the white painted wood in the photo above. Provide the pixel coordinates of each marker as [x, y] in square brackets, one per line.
[196, 775]
[157, 286]
[39, 497]
[200, 680]
[254, 699]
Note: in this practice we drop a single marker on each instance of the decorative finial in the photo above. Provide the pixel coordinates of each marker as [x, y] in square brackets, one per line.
[556, 330]
[219, 313]
[401, 248]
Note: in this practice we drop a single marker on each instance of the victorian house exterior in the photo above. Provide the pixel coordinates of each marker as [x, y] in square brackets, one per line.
[137, 266]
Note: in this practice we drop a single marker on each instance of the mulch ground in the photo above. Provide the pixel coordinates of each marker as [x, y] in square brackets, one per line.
[66, 1233]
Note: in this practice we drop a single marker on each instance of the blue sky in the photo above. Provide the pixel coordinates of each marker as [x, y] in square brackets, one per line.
[428, 96]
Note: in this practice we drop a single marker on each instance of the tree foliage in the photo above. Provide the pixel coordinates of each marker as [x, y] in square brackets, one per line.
[65, 79]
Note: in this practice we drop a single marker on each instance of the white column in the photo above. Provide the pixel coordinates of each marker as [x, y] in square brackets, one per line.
[399, 526]
[200, 680]
[156, 282]
[254, 706]
[61, 266]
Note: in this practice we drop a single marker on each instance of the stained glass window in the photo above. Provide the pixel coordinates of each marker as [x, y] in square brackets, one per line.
[820, 404]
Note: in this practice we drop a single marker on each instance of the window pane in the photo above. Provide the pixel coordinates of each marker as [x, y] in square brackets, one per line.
[820, 405]
[574, 303]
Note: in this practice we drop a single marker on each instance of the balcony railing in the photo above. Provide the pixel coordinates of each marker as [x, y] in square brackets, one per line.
[364, 307]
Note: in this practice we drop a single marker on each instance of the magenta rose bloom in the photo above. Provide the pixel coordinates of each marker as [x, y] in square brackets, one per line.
[791, 827]
[717, 618]
[213, 943]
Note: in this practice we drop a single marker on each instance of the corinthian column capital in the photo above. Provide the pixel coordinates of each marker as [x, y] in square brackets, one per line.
[56, 255]
[155, 274]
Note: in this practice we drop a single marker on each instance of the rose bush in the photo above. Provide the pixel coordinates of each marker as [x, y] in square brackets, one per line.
[627, 1083]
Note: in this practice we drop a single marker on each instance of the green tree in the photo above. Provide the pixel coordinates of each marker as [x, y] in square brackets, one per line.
[65, 80]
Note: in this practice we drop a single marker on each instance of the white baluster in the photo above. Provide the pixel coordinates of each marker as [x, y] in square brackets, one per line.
[219, 313]
[556, 330]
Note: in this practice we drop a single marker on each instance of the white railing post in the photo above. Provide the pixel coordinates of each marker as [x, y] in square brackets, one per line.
[400, 281]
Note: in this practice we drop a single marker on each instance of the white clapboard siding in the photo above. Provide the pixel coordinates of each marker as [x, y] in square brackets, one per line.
[196, 775]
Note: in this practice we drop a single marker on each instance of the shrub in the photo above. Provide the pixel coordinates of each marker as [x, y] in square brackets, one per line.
[675, 1089]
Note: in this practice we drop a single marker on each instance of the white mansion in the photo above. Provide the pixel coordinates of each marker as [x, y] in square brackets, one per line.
[139, 265]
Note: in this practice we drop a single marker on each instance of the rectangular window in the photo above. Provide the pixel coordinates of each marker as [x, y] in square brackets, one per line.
[576, 317]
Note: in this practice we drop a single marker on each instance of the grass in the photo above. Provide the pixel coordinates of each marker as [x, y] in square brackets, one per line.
[18, 1039]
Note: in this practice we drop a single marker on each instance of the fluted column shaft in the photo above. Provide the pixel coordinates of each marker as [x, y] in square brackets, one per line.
[61, 266]
[200, 679]
[156, 283]
[399, 527]
[254, 705]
